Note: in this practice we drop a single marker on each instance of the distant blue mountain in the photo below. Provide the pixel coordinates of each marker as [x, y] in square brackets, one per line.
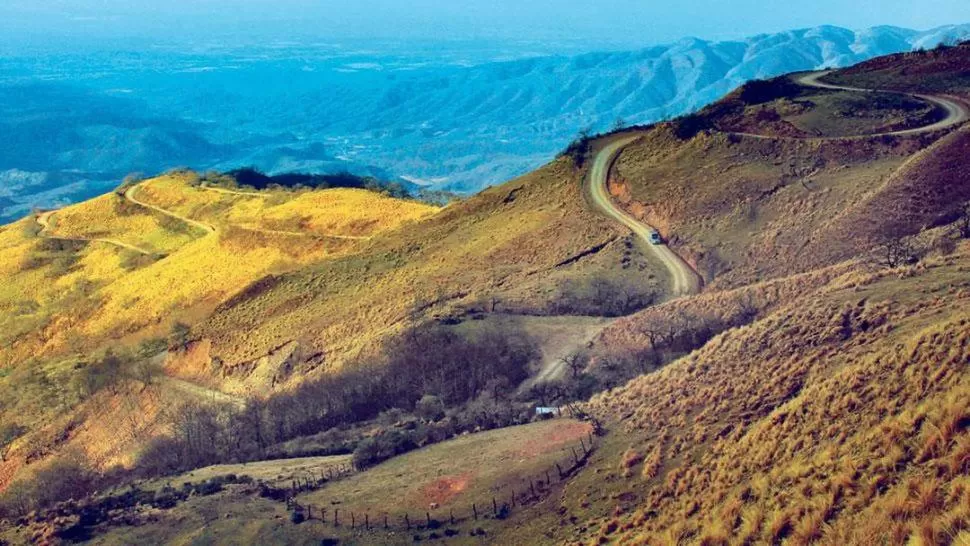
[74, 125]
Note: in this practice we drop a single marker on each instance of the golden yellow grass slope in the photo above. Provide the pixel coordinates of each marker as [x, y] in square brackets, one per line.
[342, 212]
[66, 294]
[840, 418]
[61, 296]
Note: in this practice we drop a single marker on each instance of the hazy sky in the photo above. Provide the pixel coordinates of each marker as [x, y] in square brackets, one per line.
[639, 21]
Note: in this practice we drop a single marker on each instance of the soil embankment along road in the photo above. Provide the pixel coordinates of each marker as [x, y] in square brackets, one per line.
[44, 220]
[685, 279]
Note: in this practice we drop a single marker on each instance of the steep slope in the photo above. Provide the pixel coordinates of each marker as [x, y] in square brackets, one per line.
[745, 195]
[830, 406]
[841, 418]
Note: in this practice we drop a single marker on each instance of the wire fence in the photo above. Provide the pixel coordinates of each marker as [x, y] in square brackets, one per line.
[503, 502]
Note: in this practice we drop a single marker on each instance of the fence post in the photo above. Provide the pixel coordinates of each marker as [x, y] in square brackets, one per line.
[547, 478]
[353, 520]
[575, 457]
[582, 443]
[591, 440]
[336, 517]
[494, 507]
[407, 522]
[532, 487]
[428, 516]
[367, 521]
[309, 511]
[560, 471]
[475, 511]
[513, 497]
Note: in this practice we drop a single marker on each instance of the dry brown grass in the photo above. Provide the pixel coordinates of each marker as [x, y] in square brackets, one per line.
[842, 418]
[744, 209]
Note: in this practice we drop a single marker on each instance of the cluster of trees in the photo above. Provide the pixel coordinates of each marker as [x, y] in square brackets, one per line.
[761, 91]
[403, 431]
[66, 478]
[424, 370]
[253, 178]
[599, 296]
[683, 331]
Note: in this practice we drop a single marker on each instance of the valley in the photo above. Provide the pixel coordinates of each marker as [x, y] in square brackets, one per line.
[787, 365]
[467, 119]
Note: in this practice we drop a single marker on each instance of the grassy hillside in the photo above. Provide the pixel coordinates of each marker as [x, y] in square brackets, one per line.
[188, 272]
[840, 417]
[503, 251]
[745, 208]
[815, 391]
[942, 70]
[80, 311]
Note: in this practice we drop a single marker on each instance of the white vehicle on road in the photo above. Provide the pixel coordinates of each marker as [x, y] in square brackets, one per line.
[656, 238]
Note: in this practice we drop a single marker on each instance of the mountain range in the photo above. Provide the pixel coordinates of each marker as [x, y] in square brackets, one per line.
[76, 124]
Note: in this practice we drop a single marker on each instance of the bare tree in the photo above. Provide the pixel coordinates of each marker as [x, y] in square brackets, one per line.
[655, 335]
[747, 306]
[895, 252]
[575, 363]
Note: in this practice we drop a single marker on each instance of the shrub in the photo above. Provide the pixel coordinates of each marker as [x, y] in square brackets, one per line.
[599, 296]
[179, 337]
[579, 149]
[63, 479]
[297, 517]
[687, 127]
[129, 181]
[894, 252]
[8, 433]
[762, 91]
[430, 407]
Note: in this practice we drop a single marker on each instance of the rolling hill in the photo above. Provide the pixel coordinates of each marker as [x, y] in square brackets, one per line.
[813, 389]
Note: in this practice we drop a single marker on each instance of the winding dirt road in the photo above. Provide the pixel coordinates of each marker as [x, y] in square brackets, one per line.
[956, 112]
[130, 195]
[685, 280]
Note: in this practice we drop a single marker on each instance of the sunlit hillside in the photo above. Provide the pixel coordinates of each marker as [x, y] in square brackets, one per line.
[749, 325]
[183, 270]
[111, 273]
